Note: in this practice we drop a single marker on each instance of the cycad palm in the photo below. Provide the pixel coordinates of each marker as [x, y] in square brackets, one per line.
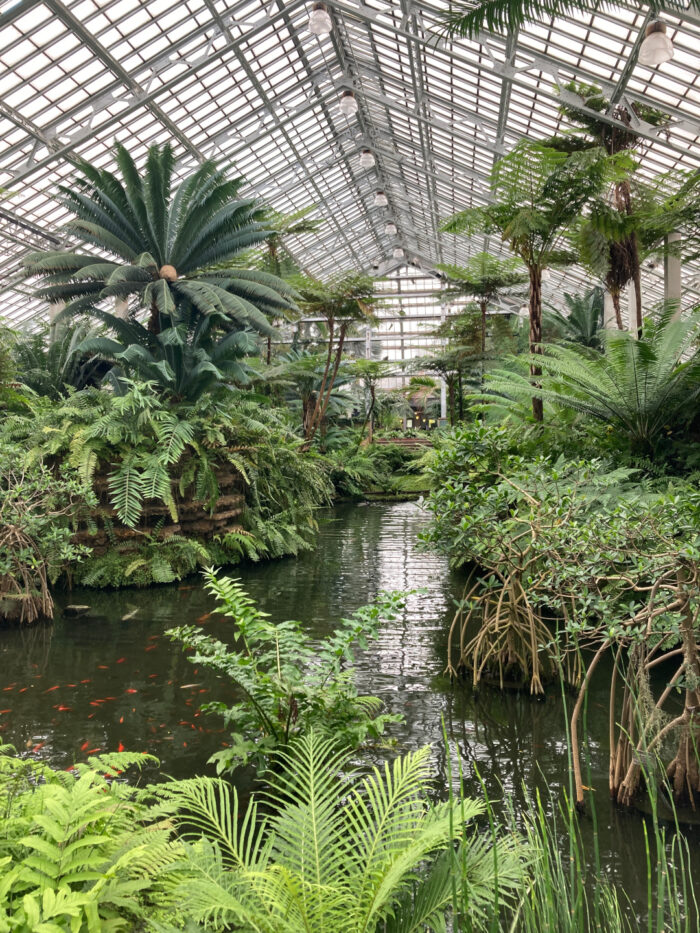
[170, 251]
[584, 321]
[336, 856]
[639, 386]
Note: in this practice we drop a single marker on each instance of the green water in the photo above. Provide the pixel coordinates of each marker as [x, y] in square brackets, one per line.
[109, 679]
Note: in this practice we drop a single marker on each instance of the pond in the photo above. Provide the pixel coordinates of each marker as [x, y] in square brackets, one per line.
[108, 679]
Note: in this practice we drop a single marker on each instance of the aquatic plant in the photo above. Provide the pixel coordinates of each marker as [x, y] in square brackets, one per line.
[289, 683]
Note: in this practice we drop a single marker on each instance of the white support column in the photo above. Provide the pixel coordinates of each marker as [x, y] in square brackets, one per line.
[54, 310]
[609, 320]
[672, 273]
[443, 384]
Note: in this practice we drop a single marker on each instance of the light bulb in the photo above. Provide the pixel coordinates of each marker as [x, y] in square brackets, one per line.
[348, 104]
[366, 159]
[380, 199]
[398, 253]
[320, 23]
[656, 48]
[390, 229]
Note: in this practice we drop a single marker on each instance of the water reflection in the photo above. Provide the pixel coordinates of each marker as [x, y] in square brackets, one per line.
[110, 679]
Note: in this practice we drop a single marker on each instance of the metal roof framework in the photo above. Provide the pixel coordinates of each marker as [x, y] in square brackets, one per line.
[246, 83]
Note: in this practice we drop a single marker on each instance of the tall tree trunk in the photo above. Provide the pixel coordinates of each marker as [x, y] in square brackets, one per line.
[329, 356]
[460, 394]
[536, 335]
[318, 419]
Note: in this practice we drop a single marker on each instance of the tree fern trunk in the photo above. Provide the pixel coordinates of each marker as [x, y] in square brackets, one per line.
[536, 335]
[312, 423]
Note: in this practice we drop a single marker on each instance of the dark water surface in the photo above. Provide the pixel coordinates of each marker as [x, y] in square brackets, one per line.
[110, 680]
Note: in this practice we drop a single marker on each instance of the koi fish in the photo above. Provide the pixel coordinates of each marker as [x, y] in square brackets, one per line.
[151, 648]
[38, 746]
[93, 751]
[207, 615]
[84, 746]
[130, 690]
[120, 747]
[103, 667]
[63, 709]
[121, 719]
[88, 680]
[51, 689]
[120, 660]
[5, 711]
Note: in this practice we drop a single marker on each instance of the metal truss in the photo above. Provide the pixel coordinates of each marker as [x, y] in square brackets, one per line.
[245, 83]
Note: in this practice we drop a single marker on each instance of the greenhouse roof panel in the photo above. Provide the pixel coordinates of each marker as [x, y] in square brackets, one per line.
[247, 84]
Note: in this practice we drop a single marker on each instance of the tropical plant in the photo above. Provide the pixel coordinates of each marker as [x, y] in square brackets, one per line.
[39, 509]
[485, 278]
[369, 373]
[642, 388]
[290, 684]
[274, 256]
[611, 237]
[171, 255]
[181, 362]
[340, 302]
[538, 194]
[507, 16]
[361, 854]
[297, 377]
[75, 851]
[583, 322]
[51, 361]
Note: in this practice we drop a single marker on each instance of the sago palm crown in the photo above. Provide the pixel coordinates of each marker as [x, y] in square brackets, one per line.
[166, 249]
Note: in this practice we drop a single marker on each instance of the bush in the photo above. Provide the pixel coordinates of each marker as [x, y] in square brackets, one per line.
[289, 683]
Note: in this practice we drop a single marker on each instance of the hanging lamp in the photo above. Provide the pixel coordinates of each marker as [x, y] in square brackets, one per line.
[656, 48]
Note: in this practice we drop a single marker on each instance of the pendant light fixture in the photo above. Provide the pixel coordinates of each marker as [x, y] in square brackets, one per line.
[348, 104]
[656, 48]
[398, 253]
[367, 159]
[320, 23]
[380, 199]
[390, 229]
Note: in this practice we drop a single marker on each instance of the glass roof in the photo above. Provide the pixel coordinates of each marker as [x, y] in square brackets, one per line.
[247, 84]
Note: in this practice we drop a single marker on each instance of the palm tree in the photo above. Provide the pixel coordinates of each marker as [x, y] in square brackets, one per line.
[165, 252]
[539, 193]
[640, 387]
[352, 856]
[339, 302]
[507, 16]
